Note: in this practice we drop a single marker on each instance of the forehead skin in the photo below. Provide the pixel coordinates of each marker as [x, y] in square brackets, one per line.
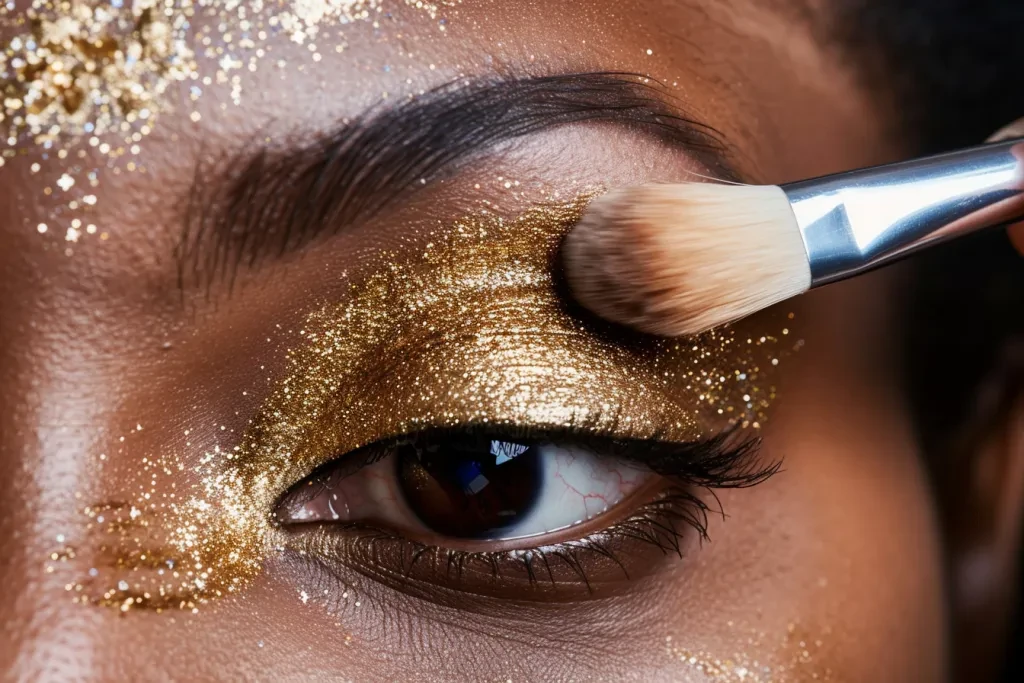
[97, 342]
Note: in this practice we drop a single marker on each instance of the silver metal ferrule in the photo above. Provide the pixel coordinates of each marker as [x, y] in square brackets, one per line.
[855, 221]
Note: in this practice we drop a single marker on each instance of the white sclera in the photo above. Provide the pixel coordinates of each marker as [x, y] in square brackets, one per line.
[577, 485]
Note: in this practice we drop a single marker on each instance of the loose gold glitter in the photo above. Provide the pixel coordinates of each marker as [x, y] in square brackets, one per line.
[469, 329]
[89, 67]
[76, 72]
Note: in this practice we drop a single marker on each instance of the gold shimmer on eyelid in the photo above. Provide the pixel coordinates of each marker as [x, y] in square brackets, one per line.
[466, 328]
[473, 330]
[84, 81]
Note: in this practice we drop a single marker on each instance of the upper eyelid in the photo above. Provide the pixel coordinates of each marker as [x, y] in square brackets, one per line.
[374, 365]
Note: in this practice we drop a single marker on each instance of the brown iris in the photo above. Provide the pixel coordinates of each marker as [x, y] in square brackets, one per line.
[470, 486]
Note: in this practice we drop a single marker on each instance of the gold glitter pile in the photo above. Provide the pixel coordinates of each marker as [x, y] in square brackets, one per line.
[469, 330]
[90, 68]
[89, 78]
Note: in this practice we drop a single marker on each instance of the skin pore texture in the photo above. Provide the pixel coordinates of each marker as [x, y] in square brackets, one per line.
[125, 368]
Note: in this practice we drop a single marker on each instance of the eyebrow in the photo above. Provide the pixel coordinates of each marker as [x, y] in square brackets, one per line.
[273, 196]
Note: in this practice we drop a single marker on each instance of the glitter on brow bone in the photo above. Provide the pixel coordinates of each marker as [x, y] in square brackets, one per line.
[88, 67]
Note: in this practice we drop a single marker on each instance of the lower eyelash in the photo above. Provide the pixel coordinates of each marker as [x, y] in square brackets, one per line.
[656, 523]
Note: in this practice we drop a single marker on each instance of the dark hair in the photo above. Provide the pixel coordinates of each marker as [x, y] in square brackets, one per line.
[953, 72]
[953, 69]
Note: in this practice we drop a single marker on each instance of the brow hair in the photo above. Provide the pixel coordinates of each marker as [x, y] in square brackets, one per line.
[273, 196]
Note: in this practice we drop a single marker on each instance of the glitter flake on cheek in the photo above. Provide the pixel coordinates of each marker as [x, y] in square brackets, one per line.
[469, 329]
[795, 656]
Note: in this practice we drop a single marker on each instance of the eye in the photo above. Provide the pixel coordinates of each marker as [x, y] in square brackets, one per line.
[513, 513]
[474, 488]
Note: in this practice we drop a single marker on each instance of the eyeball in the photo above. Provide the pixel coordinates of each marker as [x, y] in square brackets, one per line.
[475, 487]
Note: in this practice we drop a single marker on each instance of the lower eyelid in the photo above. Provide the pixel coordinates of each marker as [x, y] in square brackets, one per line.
[656, 520]
[665, 527]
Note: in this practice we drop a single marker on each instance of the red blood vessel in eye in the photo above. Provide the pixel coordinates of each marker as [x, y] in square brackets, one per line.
[470, 487]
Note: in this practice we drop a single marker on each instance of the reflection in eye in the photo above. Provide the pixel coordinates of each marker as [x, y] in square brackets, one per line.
[475, 486]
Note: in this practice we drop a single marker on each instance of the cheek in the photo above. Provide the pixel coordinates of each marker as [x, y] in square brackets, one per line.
[831, 568]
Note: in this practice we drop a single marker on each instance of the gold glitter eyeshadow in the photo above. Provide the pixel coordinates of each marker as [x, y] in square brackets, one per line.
[469, 329]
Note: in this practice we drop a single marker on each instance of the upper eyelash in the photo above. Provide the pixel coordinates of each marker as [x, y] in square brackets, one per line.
[729, 459]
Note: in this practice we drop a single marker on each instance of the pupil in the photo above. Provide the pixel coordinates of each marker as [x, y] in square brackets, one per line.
[470, 487]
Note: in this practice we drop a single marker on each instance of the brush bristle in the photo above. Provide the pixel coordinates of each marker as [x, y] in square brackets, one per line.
[681, 259]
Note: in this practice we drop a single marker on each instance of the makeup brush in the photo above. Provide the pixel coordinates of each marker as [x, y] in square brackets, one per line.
[680, 259]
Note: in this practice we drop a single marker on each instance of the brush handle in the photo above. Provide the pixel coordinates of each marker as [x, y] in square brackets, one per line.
[855, 221]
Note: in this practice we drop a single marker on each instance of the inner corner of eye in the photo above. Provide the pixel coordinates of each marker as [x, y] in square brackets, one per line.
[471, 487]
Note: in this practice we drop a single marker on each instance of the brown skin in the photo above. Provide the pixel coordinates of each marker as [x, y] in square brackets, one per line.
[843, 546]
[1017, 236]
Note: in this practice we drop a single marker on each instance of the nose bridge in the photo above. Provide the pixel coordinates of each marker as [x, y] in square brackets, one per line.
[46, 409]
